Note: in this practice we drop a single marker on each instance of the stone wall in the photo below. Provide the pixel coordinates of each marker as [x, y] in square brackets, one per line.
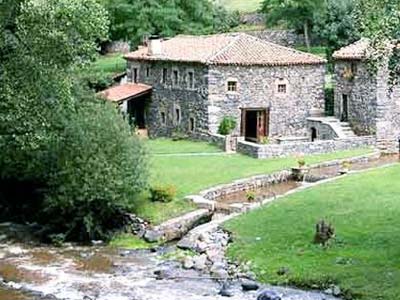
[374, 106]
[246, 184]
[362, 99]
[257, 88]
[287, 38]
[324, 131]
[318, 147]
[167, 98]
[117, 47]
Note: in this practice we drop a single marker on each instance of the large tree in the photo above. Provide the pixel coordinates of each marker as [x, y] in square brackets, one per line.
[335, 25]
[56, 138]
[379, 20]
[295, 13]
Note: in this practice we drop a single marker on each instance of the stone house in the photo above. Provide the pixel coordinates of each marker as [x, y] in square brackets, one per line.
[189, 84]
[365, 99]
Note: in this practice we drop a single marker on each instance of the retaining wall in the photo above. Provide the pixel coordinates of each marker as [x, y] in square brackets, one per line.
[304, 148]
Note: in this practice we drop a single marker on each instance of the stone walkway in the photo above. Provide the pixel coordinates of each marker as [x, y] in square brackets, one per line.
[191, 154]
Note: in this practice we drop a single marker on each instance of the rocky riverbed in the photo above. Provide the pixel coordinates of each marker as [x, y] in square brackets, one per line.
[82, 273]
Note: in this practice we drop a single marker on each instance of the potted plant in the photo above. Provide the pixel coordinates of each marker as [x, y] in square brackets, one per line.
[301, 170]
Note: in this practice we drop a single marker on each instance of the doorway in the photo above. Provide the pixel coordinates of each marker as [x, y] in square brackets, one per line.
[345, 108]
[255, 124]
[136, 113]
[314, 134]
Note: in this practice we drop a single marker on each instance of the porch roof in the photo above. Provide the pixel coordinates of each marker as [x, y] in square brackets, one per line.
[125, 91]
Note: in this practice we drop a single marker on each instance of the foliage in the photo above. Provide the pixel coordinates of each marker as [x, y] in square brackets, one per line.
[227, 125]
[132, 20]
[250, 196]
[95, 80]
[72, 151]
[364, 209]
[329, 101]
[380, 22]
[298, 14]
[335, 25]
[165, 193]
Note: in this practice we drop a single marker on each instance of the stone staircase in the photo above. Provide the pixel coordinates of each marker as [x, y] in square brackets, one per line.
[342, 129]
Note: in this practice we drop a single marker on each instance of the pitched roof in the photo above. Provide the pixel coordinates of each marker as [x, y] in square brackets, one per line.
[125, 91]
[357, 50]
[226, 49]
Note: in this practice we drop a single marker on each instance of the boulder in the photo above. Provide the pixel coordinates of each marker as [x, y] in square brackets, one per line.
[225, 291]
[188, 263]
[268, 295]
[249, 285]
[200, 262]
[153, 236]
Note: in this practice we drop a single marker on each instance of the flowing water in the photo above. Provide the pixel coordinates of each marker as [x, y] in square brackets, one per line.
[101, 273]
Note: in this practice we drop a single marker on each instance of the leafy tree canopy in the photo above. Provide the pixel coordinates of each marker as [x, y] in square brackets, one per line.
[131, 20]
[295, 13]
[57, 139]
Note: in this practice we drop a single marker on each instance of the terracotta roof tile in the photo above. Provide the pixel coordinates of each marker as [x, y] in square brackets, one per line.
[226, 49]
[125, 91]
[356, 50]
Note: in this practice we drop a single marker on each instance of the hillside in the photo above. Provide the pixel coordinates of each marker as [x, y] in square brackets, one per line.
[244, 6]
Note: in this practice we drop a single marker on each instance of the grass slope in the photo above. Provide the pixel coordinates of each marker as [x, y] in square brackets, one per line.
[365, 258]
[243, 6]
[112, 64]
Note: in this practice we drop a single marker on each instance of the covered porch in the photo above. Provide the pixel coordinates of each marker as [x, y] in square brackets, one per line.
[133, 100]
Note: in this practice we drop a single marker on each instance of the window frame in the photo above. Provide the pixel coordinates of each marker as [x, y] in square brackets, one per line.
[190, 85]
[175, 77]
[228, 85]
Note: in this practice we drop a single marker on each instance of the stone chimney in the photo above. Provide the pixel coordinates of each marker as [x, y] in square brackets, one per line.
[154, 44]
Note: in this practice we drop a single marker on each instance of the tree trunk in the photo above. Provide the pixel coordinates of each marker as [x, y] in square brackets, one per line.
[307, 35]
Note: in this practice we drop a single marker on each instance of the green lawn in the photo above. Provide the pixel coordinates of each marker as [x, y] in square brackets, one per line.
[317, 50]
[243, 6]
[191, 174]
[365, 258]
[112, 63]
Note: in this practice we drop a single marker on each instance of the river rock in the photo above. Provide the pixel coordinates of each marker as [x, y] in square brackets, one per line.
[225, 291]
[153, 236]
[200, 262]
[249, 285]
[219, 271]
[268, 295]
[188, 263]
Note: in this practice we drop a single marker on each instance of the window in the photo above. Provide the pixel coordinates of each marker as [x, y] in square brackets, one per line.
[177, 116]
[148, 72]
[353, 68]
[282, 88]
[135, 75]
[163, 118]
[232, 86]
[175, 78]
[191, 124]
[164, 75]
[190, 80]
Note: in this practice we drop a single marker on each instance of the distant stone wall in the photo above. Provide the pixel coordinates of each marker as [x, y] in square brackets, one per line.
[117, 47]
[305, 148]
[252, 19]
[287, 38]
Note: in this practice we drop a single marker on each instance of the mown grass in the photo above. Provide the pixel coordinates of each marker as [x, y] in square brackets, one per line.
[364, 259]
[243, 6]
[191, 174]
[111, 63]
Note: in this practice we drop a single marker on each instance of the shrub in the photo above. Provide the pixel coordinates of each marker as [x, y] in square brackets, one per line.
[250, 196]
[162, 193]
[101, 168]
[227, 125]
[96, 80]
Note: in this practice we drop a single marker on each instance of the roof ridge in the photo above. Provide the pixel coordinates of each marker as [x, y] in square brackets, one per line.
[221, 51]
[283, 47]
